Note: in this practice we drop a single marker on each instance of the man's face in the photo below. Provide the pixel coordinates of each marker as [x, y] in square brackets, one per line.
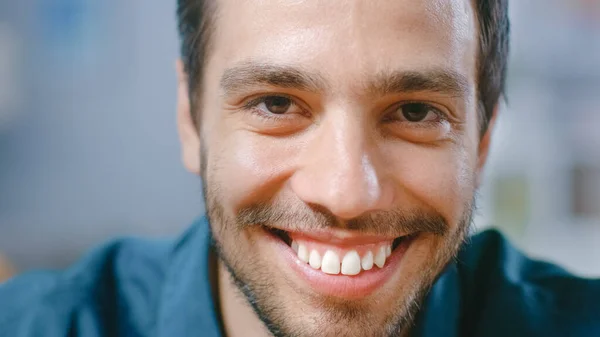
[334, 132]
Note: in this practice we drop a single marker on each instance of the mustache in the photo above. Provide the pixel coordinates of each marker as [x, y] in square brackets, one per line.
[314, 217]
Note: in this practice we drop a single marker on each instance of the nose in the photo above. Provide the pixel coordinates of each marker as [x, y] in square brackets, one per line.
[342, 170]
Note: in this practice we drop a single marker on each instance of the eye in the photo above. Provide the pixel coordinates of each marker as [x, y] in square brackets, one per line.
[275, 114]
[275, 104]
[417, 113]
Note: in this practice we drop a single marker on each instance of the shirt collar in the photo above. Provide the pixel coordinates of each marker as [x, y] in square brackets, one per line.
[187, 306]
[440, 313]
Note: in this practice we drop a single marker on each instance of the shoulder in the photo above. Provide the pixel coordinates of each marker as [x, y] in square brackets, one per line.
[122, 277]
[513, 295]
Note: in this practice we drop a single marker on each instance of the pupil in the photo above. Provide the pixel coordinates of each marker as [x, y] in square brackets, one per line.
[277, 105]
[415, 112]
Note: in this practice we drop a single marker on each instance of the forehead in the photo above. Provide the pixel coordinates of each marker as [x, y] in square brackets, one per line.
[347, 38]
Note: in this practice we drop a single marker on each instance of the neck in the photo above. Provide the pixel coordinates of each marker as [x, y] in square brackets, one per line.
[238, 318]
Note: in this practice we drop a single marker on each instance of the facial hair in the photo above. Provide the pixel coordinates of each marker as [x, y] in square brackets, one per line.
[336, 315]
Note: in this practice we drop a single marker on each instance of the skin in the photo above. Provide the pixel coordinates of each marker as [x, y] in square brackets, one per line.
[342, 153]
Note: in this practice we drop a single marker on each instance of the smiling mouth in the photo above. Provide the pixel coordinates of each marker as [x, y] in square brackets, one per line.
[341, 257]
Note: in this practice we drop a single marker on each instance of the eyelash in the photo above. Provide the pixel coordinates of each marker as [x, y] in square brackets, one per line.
[252, 104]
[440, 114]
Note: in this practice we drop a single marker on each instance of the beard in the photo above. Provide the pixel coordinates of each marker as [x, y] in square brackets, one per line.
[329, 316]
[320, 315]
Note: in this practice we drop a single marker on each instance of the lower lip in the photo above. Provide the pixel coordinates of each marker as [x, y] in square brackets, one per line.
[342, 286]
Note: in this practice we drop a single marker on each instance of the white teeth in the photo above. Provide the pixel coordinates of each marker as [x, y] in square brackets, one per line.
[302, 253]
[351, 263]
[330, 263]
[380, 257]
[367, 261]
[315, 259]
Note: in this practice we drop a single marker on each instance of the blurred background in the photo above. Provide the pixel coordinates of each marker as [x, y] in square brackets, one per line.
[89, 150]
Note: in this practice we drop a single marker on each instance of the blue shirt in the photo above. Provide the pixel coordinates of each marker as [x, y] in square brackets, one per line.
[161, 289]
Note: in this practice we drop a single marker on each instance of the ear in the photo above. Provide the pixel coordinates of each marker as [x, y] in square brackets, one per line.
[484, 144]
[188, 133]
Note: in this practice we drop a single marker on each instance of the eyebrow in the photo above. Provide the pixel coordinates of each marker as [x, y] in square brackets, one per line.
[247, 74]
[439, 80]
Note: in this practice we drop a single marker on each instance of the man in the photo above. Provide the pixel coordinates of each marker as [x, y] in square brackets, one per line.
[341, 144]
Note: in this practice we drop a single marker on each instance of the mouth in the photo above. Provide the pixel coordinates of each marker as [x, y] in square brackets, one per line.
[348, 266]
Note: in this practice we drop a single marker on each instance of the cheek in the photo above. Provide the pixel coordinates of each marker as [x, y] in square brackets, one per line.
[249, 168]
[439, 178]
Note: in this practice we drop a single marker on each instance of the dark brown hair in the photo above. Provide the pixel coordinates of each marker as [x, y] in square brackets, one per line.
[196, 20]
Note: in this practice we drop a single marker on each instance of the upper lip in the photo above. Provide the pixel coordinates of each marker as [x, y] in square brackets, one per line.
[340, 236]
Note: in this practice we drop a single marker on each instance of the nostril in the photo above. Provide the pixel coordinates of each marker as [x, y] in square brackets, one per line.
[347, 185]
